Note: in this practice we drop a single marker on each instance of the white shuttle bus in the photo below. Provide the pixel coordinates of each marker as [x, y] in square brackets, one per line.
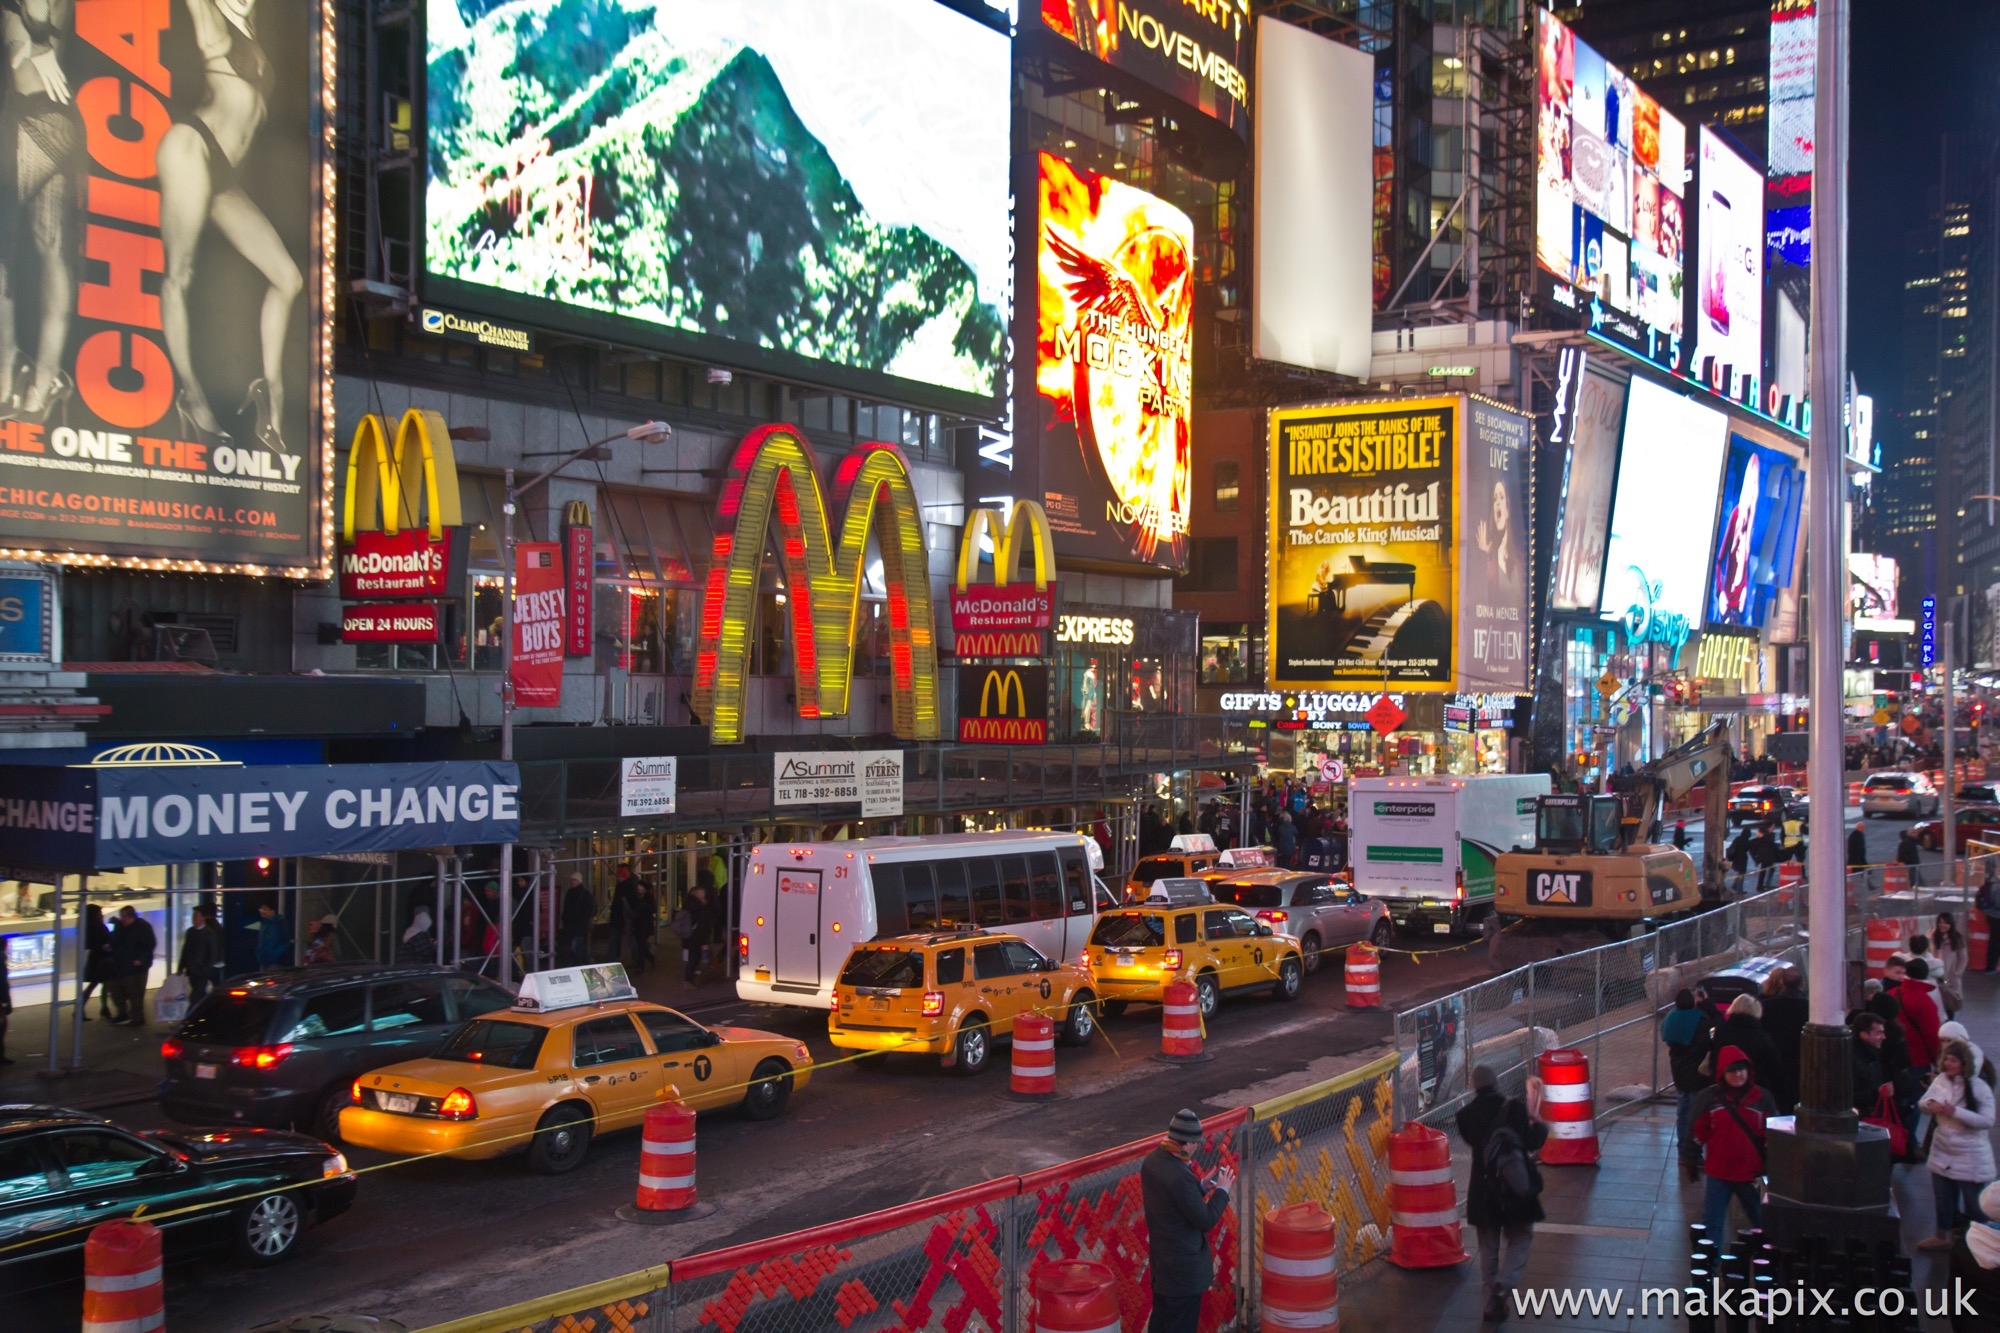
[805, 904]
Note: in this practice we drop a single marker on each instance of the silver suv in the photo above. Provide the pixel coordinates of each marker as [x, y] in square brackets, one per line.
[1907, 794]
[1321, 911]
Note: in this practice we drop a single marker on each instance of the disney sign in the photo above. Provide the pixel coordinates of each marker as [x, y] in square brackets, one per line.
[1645, 622]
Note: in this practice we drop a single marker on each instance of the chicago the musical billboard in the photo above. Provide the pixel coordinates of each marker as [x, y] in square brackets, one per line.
[1364, 512]
[162, 226]
[1113, 366]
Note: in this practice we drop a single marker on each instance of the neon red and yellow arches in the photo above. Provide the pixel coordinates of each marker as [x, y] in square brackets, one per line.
[774, 479]
[421, 466]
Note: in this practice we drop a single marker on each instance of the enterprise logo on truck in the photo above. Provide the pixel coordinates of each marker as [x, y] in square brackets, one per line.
[1406, 809]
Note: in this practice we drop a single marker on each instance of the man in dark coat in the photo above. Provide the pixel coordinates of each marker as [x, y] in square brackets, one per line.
[1857, 848]
[1181, 1209]
[201, 954]
[132, 947]
[1743, 1028]
[1688, 1032]
[579, 910]
[1784, 1020]
[624, 913]
[1500, 1205]
[1871, 1065]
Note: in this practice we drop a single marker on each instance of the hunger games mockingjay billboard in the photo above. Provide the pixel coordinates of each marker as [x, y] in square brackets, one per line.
[161, 218]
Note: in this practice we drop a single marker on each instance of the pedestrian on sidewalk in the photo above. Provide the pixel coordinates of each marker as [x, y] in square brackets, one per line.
[201, 955]
[1489, 930]
[1909, 854]
[1689, 1033]
[645, 927]
[1950, 949]
[274, 937]
[6, 1000]
[1975, 1268]
[1503, 1201]
[321, 949]
[1961, 1153]
[1729, 1124]
[1871, 1071]
[700, 922]
[1784, 1020]
[1182, 1207]
[579, 910]
[132, 948]
[419, 942]
[1920, 1017]
[97, 966]
[1857, 848]
[1742, 1026]
[1983, 1067]
[624, 912]
[1739, 856]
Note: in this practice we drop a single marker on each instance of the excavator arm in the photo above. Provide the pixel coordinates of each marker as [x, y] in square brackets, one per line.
[1707, 757]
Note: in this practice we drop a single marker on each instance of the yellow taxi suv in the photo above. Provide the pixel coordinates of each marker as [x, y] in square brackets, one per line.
[954, 994]
[1182, 934]
[577, 1055]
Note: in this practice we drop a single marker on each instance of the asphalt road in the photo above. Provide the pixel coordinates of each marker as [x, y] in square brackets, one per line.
[433, 1240]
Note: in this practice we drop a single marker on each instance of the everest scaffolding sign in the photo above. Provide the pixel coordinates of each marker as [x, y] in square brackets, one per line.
[873, 778]
[88, 818]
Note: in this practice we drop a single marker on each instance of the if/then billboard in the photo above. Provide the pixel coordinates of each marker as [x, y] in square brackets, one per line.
[814, 189]
[164, 228]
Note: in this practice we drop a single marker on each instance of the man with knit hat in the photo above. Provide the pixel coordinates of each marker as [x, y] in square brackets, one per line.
[1181, 1209]
[1729, 1123]
[1502, 1201]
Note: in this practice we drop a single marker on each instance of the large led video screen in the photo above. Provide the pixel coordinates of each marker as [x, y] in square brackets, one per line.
[812, 188]
[1113, 366]
[1610, 170]
[1756, 532]
[1663, 510]
[1728, 313]
[1197, 52]
[1872, 586]
[1592, 435]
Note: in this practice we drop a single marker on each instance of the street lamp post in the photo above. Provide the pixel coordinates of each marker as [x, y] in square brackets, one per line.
[646, 432]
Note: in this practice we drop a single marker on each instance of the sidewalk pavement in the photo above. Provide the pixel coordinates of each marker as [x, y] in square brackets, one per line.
[1622, 1225]
[121, 1065]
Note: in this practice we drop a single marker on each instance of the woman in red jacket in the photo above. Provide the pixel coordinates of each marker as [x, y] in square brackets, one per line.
[1729, 1124]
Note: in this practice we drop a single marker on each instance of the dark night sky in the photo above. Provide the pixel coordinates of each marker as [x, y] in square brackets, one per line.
[1917, 70]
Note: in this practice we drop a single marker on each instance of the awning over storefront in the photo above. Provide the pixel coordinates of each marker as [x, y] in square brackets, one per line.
[98, 818]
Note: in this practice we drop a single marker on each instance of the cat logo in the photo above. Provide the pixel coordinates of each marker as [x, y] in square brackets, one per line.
[1565, 888]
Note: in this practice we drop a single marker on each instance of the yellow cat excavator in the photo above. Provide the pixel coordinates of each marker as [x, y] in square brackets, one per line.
[1594, 860]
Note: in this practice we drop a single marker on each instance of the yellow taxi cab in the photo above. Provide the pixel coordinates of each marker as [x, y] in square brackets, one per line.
[952, 994]
[1187, 855]
[577, 1055]
[1180, 933]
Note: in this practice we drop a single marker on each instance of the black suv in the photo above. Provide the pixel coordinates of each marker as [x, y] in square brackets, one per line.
[284, 1048]
[63, 1172]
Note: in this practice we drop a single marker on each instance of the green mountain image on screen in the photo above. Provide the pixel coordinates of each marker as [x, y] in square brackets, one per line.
[1407, 856]
[711, 208]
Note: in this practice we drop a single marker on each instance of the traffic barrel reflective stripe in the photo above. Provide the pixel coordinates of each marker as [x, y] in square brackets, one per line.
[1076, 1296]
[122, 1291]
[1422, 1200]
[1180, 1020]
[1299, 1285]
[1034, 1066]
[667, 1160]
[1364, 977]
[1789, 875]
[1885, 936]
[1854, 793]
[1568, 1109]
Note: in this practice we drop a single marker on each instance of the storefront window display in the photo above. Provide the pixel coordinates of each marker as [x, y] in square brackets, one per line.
[1225, 654]
[1120, 661]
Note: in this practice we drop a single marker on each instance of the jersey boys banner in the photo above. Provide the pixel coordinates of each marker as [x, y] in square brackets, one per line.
[1493, 574]
[539, 625]
[1363, 516]
[159, 212]
[1113, 367]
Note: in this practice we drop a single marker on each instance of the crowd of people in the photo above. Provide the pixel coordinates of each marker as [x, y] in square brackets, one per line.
[1283, 815]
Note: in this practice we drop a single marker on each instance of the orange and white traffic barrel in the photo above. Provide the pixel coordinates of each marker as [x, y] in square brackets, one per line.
[1895, 878]
[1364, 977]
[1885, 937]
[122, 1291]
[666, 1160]
[1075, 1296]
[1300, 1287]
[1789, 874]
[1568, 1109]
[1034, 1068]
[1423, 1203]
[1854, 793]
[1180, 1023]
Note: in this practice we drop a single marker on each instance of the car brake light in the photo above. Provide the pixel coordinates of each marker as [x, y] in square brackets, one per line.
[933, 1003]
[1458, 887]
[355, 1092]
[743, 946]
[1275, 916]
[1173, 960]
[259, 1057]
[1083, 959]
[835, 998]
[171, 1050]
[458, 1105]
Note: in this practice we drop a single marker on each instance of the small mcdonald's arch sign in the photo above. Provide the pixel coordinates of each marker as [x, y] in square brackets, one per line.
[1000, 704]
[401, 534]
[1011, 617]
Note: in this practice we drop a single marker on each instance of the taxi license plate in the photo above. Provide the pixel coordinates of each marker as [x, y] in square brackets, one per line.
[1441, 928]
[204, 1071]
[1127, 960]
[877, 1002]
[397, 1102]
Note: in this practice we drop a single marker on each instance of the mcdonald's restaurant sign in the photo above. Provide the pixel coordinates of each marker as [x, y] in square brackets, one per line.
[1009, 617]
[401, 531]
[772, 490]
[1003, 705]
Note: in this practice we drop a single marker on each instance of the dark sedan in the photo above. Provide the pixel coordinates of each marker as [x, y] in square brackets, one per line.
[1757, 804]
[250, 1192]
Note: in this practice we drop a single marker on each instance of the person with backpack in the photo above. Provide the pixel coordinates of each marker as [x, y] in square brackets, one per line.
[1739, 856]
[1729, 1125]
[1503, 1202]
[1688, 1033]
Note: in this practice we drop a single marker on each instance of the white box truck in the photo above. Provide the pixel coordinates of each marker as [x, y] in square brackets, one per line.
[1425, 846]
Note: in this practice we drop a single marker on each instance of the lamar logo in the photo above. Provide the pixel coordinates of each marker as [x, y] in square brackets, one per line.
[1565, 888]
[1013, 705]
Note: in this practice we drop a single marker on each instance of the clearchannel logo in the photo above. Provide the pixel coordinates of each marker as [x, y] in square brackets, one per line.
[445, 324]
